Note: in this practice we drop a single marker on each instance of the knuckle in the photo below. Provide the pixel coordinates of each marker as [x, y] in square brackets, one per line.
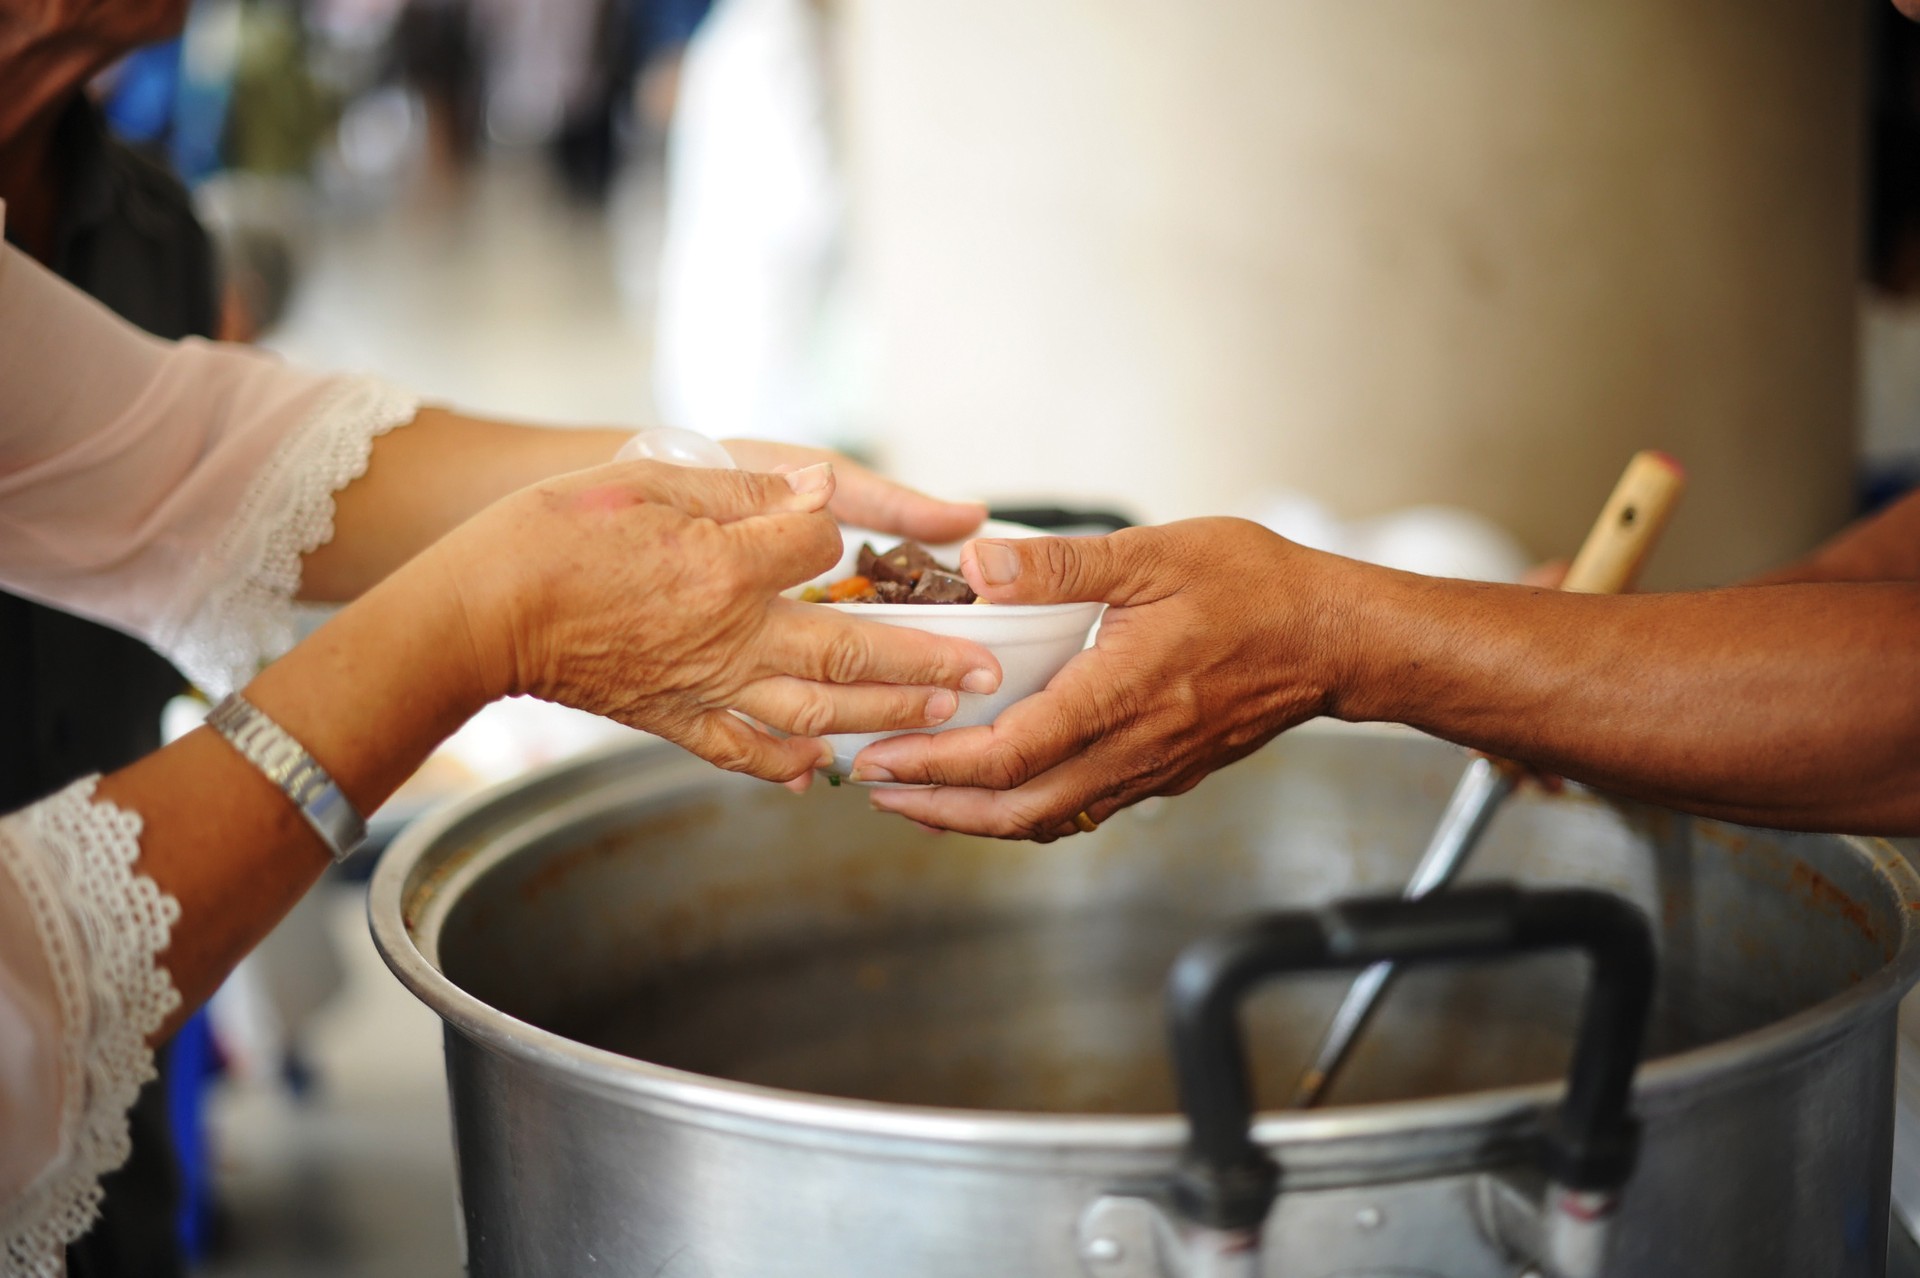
[723, 750]
[1028, 819]
[813, 713]
[731, 756]
[727, 577]
[845, 657]
[755, 491]
[1007, 764]
[1060, 560]
[1185, 703]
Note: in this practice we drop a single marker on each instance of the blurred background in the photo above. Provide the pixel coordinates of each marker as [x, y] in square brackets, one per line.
[1410, 282]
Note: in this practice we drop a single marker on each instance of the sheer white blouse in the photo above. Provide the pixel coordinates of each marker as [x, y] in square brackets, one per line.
[170, 490]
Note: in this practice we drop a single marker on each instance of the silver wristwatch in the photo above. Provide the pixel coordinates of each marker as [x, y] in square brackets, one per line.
[266, 745]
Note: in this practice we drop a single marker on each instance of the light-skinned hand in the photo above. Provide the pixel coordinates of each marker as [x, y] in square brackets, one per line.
[651, 594]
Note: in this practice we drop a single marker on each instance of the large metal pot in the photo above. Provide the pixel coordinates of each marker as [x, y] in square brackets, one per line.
[700, 1028]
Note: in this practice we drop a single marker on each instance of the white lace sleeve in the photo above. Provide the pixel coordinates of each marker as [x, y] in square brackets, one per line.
[100, 927]
[167, 488]
[247, 583]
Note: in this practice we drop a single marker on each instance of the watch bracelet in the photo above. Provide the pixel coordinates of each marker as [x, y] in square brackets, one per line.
[284, 761]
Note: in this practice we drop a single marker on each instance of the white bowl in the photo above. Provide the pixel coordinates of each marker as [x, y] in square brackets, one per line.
[1031, 641]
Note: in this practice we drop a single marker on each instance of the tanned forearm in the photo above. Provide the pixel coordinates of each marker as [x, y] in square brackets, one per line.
[1883, 548]
[369, 695]
[429, 476]
[1794, 706]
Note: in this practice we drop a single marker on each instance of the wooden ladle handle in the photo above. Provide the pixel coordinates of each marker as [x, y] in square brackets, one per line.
[1610, 559]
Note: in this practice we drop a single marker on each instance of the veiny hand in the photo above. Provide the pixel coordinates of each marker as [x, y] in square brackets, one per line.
[650, 593]
[864, 498]
[1214, 643]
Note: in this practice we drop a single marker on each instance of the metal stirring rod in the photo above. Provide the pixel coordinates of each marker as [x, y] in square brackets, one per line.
[1609, 562]
[1475, 800]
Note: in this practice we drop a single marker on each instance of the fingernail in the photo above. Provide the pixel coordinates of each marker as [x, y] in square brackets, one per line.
[980, 681]
[825, 758]
[810, 479]
[881, 800]
[999, 565]
[941, 705]
[871, 772]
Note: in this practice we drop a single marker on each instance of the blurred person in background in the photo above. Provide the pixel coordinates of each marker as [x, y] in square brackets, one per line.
[440, 57]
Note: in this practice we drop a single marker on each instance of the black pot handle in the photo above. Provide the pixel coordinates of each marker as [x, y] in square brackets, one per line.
[1226, 1181]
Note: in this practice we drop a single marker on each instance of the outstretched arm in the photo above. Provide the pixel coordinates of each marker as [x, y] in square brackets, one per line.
[1885, 547]
[1794, 706]
[187, 492]
[445, 465]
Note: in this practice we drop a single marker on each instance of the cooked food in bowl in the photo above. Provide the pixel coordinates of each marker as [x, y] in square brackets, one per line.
[906, 574]
[1031, 641]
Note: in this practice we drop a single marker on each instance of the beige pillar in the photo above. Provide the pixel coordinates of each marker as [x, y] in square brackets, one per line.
[1476, 251]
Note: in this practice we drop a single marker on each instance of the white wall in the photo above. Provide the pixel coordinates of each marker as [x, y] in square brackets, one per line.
[1174, 255]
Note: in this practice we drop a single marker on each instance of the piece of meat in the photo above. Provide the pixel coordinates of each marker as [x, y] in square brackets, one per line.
[876, 569]
[938, 586]
[908, 573]
[905, 562]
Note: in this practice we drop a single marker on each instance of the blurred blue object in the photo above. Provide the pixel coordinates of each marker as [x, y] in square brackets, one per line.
[160, 103]
[667, 24]
[1884, 484]
[194, 1061]
[140, 107]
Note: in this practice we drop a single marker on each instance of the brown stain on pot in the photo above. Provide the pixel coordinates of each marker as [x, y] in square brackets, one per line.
[1802, 883]
[1817, 890]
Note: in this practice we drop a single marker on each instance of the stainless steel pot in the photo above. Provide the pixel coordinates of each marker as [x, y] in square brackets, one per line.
[700, 1028]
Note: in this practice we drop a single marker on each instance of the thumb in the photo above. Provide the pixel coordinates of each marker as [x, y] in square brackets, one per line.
[874, 501]
[725, 496]
[1120, 568]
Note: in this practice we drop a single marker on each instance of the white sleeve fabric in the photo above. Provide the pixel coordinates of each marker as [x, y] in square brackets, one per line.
[81, 992]
[168, 489]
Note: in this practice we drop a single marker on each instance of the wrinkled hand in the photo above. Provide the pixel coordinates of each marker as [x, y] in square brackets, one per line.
[650, 594]
[1212, 645]
[865, 498]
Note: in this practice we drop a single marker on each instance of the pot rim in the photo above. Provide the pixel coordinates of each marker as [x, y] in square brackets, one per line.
[1661, 1086]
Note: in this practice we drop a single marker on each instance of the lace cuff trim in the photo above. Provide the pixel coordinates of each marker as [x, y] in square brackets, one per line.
[249, 615]
[103, 926]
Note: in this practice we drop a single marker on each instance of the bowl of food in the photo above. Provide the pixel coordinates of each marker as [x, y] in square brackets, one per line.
[905, 583]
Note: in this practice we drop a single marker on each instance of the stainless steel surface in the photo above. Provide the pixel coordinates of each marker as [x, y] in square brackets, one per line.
[1123, 1236]
[1476, 799]
[699, 1026]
